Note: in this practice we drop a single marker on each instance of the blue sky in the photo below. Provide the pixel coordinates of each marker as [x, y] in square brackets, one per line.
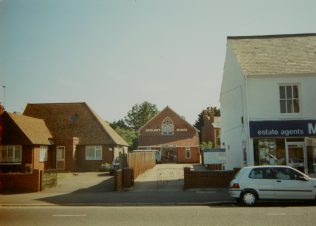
[114, 54]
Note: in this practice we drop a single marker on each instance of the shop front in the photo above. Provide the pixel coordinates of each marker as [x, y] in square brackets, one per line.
[285, 142]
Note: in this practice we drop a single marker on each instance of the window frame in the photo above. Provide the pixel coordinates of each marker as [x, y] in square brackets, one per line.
[43, 153]
[97, 152]
[167, 127]
[4, 153]
[292, 174]
[264, 173]
[188, 150]
[63, 153]
[288, 102]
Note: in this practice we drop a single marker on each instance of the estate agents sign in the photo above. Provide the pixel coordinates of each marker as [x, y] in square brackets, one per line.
[284, 128]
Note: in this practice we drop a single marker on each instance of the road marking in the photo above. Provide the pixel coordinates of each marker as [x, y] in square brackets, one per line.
[69, 215]
[275, 214]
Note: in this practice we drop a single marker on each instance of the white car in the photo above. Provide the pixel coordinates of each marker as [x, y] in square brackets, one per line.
[271, 182]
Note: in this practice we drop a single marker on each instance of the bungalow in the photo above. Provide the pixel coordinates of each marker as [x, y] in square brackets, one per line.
[176, 139]
[82, 140]
[24, 143]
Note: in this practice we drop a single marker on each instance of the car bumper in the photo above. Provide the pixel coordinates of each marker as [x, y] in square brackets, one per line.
[234, 193]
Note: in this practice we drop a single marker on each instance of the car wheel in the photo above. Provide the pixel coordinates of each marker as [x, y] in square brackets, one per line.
[248, 198]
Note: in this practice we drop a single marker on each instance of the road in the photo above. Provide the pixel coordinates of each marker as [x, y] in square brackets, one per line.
[157, 215]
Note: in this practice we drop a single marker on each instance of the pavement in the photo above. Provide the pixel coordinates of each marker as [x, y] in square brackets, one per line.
[161, 185]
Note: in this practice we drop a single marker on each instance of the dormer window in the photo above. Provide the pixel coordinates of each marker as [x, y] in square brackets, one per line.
[167, 127]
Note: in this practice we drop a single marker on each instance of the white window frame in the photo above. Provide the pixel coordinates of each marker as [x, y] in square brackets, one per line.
[10, 153]
[187, 150]
[290, 109]
[95, 152]
[43, 153]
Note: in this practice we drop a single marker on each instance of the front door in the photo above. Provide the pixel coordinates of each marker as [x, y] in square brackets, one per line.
[169, 155]
[296, 156]
[60, 157]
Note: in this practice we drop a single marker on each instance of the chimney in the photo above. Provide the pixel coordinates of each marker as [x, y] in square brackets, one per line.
[1, 108]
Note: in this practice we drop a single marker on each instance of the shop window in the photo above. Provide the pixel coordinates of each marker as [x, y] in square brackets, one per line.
[93, 152]
[289, 98]
[167, 127]
[269, 151]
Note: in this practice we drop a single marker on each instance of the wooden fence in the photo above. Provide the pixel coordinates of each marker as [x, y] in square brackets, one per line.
[141, 161]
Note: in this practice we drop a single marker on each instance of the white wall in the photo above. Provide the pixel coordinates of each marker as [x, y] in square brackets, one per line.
[232, 101]
[263, 97]
[256, 98]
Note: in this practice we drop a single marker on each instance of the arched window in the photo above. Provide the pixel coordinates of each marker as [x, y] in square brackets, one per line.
[167, 127]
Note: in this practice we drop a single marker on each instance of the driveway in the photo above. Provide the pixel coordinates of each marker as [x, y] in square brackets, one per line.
[82, 182]
[163, 177]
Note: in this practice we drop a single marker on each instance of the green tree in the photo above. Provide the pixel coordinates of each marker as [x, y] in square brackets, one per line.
[205, 145]
[119, 123]
[129, 135]
[140, 114]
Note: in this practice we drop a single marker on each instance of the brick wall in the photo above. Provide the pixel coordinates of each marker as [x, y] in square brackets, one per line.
[70, 151]
[20, 182]
[206, 178]
[92, 165]
[123, 178]
[195, 155]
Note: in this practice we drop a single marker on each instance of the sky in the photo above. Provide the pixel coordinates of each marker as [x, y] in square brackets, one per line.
[113, 54]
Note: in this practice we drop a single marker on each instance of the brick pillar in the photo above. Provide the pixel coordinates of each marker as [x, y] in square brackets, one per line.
[118, 180]
[128, 177]
[187, 171]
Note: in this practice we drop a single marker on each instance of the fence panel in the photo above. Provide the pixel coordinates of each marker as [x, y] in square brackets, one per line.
[141, 161]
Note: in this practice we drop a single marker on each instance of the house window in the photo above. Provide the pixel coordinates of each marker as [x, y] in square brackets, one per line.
[43, 153]
[60, 154]
[10, 153]
[289, 98]
[187, 153]
[93, 152]
[167, 127]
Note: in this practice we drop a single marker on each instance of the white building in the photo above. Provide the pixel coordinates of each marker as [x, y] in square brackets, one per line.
[268, 101]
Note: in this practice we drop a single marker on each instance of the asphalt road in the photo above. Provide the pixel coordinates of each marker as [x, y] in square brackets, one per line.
[171, 215]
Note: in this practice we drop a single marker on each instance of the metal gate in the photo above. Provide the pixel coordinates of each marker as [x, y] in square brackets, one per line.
[170, 178]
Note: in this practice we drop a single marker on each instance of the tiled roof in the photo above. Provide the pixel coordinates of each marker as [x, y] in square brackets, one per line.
[167, 110]
[66, 120]
[275, 54]
[111, 132]
[34, 129]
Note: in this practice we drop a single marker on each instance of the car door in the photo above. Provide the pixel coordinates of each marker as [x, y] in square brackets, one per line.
[289, 184]
[262, 180]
